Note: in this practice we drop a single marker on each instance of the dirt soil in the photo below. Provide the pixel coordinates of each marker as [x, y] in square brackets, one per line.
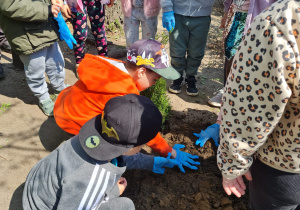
[27, 135]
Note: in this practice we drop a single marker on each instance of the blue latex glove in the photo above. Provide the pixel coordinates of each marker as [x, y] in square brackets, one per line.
[210, 132]
[185, 159]
[160, 162]
[64, 31]
[168, 21]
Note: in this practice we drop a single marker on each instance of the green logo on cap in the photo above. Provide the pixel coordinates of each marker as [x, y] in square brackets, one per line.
[92, 142]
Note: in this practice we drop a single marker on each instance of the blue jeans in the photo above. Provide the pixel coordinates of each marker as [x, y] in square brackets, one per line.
[49, 60]
[187, 43]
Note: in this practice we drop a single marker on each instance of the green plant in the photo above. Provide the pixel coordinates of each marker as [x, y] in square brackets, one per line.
[4, 107]
[162, 38]
[158, 96]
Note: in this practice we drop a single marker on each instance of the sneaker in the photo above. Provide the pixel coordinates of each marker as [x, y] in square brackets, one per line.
[2, 75]
[56, 93]
[191, 86]
[176, 86]
[217, 99]
[47, 106]
[6, 47]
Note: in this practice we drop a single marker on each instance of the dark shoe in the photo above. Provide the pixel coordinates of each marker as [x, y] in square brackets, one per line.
[2, 75]
[6, 47]
[176, 86]
[191, 86]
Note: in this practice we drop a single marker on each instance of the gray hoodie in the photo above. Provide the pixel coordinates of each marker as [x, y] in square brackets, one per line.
[193, 8]
[69, 179]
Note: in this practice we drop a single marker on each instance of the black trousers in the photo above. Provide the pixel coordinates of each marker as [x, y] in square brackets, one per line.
[273, 189]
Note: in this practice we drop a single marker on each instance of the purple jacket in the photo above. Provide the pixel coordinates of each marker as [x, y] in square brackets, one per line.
[151, 7]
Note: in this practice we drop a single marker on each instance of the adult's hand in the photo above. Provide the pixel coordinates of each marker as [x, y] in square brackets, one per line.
[237, 185]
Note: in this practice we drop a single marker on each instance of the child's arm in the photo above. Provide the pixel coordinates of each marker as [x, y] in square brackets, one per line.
[27, 10]
[160, 145]
[139, 161]
[151, 163]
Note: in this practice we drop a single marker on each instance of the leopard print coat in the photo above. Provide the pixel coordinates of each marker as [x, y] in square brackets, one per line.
[261, 103]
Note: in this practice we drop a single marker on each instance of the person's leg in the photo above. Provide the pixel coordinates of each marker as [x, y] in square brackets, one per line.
[3, 41]
[273, 189]
[119, 203]
[35, 66]
[149, 27]
[55, 67]
[131, 27]
[2, 74]
[178, 47]
[80, 29]
[179, 39]
[97, 17]
[198, 28]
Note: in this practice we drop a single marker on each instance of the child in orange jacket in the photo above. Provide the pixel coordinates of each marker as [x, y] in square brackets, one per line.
[103, 78]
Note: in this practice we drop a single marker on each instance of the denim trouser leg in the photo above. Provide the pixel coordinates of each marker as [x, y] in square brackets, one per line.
[49, 60]
[187, 43]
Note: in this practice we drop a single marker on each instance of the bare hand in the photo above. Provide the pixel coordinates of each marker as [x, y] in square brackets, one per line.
[122, 184]
[66, 11]
[55, 9]
[58, 2]
[237, 185]
[111, 3]
[223, 21]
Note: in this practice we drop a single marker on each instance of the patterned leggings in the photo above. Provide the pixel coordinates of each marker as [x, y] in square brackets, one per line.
[92, 8]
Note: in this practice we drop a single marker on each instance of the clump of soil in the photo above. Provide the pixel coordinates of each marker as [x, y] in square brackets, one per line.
[200, 189]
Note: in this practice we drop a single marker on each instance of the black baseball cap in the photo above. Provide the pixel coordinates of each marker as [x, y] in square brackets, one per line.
[152, 54]
[126, 122]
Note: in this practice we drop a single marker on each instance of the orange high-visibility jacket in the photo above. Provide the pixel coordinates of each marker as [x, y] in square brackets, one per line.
[100, 80]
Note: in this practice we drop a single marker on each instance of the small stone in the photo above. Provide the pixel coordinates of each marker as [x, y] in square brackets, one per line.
[195, 186]
[161, 203]
[153, 195]
[198, 197]
[228, 208]
[226, 202]
[217, 204]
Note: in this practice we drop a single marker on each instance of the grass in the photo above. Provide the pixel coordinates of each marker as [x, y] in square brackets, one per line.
[4, 107]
